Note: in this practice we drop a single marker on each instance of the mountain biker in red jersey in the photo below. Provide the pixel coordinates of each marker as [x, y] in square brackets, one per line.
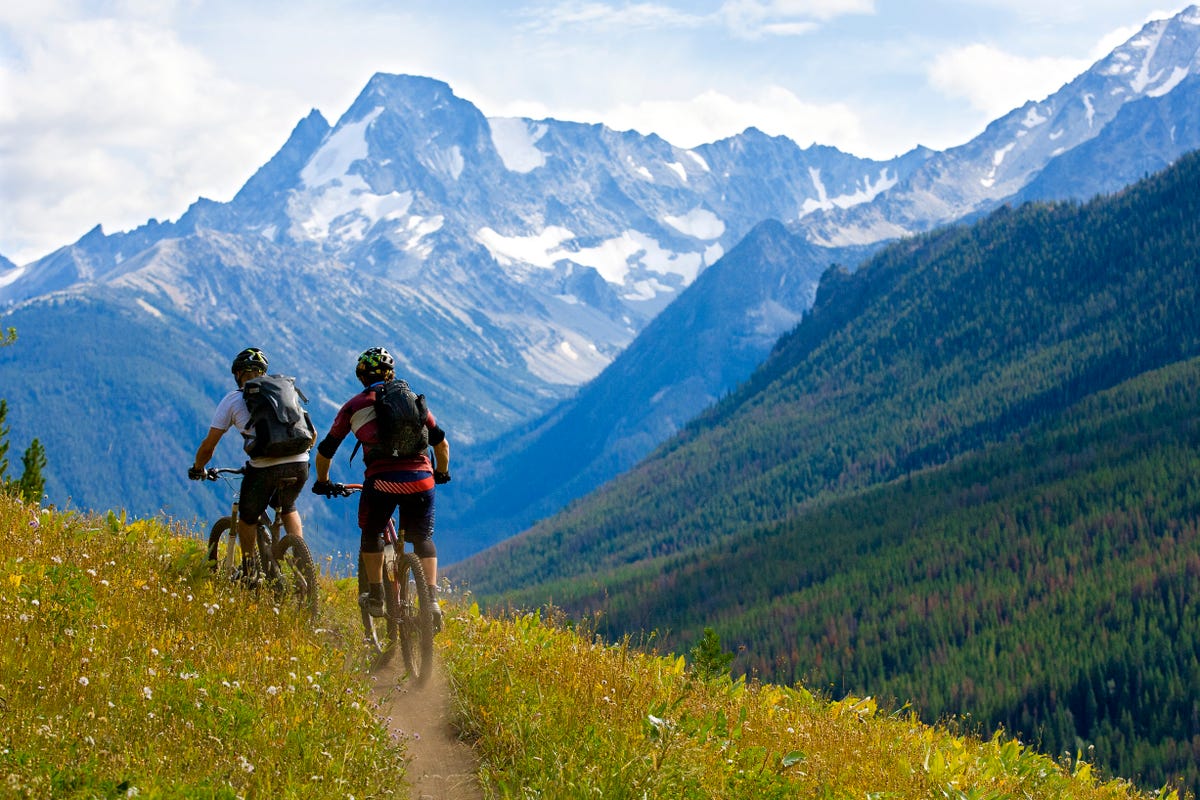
[264, 476]
[405, 482]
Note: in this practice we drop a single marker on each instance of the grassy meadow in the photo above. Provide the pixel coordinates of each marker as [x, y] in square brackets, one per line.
[127, 671]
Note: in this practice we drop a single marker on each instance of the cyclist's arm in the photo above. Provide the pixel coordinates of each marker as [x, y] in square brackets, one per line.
[322, 465]
[207, 447]
[441, 456]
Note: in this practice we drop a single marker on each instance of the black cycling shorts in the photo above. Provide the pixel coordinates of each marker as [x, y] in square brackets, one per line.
[375, 508]
[260, 484]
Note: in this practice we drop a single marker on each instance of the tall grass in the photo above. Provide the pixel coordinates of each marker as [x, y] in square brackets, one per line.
[126, 670]
[558, 714]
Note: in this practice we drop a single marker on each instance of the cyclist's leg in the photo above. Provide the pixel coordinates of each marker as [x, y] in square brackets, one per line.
[416, 518]
[256, 493]
[374, 510]
[290, 479]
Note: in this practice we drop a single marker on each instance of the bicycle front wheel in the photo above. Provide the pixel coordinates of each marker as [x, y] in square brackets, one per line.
[296, 574]
[415, 618]
[223, 549]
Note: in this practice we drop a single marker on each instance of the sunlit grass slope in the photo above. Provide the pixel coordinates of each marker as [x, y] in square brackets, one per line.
[125, 670]
[556, 713]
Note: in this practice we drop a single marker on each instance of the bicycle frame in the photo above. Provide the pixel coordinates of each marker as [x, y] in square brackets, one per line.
[285, 560]
[407, 603]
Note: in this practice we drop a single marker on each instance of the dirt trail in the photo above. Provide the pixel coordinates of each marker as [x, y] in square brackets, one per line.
[441, 767]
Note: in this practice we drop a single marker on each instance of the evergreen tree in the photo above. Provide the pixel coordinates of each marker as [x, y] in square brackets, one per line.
[31, 483]
[709, 661]
[3, 440]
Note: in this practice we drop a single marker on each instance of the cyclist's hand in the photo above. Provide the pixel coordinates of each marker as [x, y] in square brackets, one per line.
[441, 477]
[323, 488]
[197, 473]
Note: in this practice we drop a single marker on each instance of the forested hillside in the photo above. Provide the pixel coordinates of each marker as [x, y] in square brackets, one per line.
[964, 480]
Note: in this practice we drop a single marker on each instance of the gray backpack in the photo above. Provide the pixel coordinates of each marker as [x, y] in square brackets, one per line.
[279, 425]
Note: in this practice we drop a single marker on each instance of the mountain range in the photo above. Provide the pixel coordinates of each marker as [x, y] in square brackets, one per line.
[966, 481]
[519, 269]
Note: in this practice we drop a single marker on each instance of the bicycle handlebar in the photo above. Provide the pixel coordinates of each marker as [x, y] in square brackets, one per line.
[212, 473]
[343, 489]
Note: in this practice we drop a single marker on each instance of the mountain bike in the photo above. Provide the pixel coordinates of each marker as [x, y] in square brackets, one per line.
[408, 620]
[286, 560]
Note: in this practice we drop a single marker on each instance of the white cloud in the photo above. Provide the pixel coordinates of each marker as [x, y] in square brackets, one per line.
[112, 122]
[753, 18]
[715, 115]
[608, 17]
[995, 82]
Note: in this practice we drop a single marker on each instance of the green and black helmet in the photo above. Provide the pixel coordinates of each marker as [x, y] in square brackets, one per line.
[375, 364]
[249, 360]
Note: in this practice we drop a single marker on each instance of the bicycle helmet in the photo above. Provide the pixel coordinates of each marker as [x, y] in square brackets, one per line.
[249, 360]
[374, 364]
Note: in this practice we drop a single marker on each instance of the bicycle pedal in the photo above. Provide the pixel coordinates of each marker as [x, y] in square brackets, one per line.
[373, 606]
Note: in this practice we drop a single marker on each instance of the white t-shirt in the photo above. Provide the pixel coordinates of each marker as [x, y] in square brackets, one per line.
[232, 413]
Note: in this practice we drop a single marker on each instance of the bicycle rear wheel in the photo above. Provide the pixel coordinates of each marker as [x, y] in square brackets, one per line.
[415, 618]
[224, 558]
[296, 576]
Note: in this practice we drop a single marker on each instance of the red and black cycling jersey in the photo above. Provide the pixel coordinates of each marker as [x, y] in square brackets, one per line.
[357, 416]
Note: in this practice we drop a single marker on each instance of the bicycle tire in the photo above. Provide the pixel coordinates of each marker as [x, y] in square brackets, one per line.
[372, 626]
[227, 560]
[415, 618]
[296, 576]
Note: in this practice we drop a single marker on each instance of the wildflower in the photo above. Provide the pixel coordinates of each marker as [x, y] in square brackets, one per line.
[272, 690]
[244, 764]
[146, 693]
[33, 523]
[83, 681]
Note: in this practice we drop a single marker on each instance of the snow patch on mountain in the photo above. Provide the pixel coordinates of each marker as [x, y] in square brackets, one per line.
[1177, 75]
[699, 223]
[612, 258]
[997, 159]
[867, 192]
[11, 275]
[516, 141]
[345, 209]
[541, 249]
[448, 161]
[343, 147]
[570, 360]
[151, 310]
[700, 162]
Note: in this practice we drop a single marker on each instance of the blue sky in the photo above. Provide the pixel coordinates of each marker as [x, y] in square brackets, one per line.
[116, 111]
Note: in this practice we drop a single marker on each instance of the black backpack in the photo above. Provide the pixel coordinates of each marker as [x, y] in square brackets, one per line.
[279, 425]
[400, 416]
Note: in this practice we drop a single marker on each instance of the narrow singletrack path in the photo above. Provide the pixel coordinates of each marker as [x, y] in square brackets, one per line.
[441, 766]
